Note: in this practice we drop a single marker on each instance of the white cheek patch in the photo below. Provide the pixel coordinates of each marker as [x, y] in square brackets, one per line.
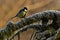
[49, 22]
[25, 10]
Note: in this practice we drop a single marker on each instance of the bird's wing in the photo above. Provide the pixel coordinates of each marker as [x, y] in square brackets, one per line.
[19, 13]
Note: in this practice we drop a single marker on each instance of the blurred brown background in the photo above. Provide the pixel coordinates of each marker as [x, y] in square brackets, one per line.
[9, 8]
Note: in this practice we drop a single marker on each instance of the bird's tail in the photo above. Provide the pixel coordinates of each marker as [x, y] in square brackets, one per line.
[11, 19]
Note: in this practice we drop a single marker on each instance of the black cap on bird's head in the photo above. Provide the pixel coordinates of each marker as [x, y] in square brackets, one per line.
[25, 8]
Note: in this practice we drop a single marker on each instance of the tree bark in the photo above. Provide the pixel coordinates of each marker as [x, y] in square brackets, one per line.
[12, 29]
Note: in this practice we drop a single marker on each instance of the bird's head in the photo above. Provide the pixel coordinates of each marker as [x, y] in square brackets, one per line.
[25, 9]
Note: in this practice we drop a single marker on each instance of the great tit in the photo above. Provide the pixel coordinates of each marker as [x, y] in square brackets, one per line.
[22, 13]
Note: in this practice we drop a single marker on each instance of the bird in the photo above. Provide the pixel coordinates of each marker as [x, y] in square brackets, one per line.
[22, 13]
